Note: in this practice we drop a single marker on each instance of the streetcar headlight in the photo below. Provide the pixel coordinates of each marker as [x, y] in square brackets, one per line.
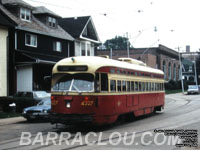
[68, 104]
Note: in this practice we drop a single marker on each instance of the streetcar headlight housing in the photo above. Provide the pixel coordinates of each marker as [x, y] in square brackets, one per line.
[68, 104]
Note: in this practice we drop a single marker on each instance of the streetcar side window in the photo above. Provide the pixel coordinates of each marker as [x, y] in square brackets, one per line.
[143, 86]
[104, 82]
[149, 86]
[152, 86]
[119, 86]
[112, 85]
[146, 89]
[124, 85]
[161, 87]
[128, 86]
[156, 86]
[132, 86]
[140, 86]
[97, 83]
[136, 86]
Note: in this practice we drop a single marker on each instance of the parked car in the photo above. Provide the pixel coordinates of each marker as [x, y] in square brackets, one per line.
[40, 111]
[37, 95]
[193, 89]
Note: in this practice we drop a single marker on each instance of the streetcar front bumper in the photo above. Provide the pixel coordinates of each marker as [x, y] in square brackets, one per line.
[70, 118]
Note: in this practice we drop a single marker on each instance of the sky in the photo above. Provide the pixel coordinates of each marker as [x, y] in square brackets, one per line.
[147, 23]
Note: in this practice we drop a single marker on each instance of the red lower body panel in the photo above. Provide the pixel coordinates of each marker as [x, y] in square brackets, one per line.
[102, 109]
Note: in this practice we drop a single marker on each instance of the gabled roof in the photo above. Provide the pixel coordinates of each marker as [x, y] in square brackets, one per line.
[5, 21]
[36, 26]
[77, 25]
[16, 3]
[44, 10]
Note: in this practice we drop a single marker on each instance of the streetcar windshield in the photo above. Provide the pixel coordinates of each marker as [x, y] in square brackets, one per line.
[80, 82]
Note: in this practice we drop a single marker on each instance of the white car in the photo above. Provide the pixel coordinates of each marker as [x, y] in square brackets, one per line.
[193, 89]
[37, 95]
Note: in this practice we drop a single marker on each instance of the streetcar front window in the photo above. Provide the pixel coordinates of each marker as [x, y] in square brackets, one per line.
[80, 82]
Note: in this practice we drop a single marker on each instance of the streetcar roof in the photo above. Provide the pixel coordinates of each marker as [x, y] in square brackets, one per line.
[95, 62]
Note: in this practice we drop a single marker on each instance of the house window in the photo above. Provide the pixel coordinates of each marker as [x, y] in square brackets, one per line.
[88, 49]
[169, 71]
[31, 40]
[85, 49]
[52, 22]
[25, 14]
[57, 46]
[190, 68]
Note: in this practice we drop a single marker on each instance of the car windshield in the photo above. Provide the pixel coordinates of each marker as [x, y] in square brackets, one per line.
[45, 102]
[80, 82]
[41, 94]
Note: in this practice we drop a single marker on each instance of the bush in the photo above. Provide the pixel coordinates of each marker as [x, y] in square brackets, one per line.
[173, 85]
[176, 85]
[21, 103]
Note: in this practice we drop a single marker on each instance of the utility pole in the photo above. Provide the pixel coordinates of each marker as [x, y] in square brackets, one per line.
[111, 53]
[181, 70]
[195, 71]
[110, 45]
[127, 45]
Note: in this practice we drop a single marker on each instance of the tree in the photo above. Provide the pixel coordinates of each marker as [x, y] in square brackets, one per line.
[118, 42]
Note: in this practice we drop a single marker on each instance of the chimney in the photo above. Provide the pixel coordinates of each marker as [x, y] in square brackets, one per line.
[187, 48]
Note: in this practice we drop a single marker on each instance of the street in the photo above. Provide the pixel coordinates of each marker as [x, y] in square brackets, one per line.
[181, 112]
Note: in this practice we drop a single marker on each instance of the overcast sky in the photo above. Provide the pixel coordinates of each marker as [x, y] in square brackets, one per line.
[177, 21]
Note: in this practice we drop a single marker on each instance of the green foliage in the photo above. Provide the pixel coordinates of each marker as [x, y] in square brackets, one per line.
[176, 85]
[118, 42]
[173, 91]
[8, 115]
[21, 103]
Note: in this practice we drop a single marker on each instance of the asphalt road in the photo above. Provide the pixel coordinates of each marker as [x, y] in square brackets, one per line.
[181, 113]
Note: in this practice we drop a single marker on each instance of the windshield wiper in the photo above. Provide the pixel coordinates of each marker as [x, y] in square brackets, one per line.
[70, 88]
[76, 88]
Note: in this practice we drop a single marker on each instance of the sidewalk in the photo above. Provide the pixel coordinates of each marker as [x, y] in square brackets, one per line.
[11, 120]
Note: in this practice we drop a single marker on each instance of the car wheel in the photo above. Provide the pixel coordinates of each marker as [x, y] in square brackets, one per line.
[29, 119]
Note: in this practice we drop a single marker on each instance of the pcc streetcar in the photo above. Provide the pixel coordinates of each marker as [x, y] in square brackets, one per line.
[98, 90]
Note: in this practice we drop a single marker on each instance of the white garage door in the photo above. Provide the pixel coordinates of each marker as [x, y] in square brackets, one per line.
[25, 78]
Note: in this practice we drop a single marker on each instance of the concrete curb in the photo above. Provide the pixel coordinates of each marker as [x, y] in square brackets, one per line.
[11, 120]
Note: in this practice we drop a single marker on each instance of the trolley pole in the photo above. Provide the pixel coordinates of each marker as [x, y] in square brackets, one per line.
[181, 71]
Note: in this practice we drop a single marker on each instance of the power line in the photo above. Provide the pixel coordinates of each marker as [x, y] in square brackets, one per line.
[50, 4]
[65, 7]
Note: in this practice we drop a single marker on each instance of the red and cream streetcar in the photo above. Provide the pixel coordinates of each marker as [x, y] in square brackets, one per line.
[99, 90]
